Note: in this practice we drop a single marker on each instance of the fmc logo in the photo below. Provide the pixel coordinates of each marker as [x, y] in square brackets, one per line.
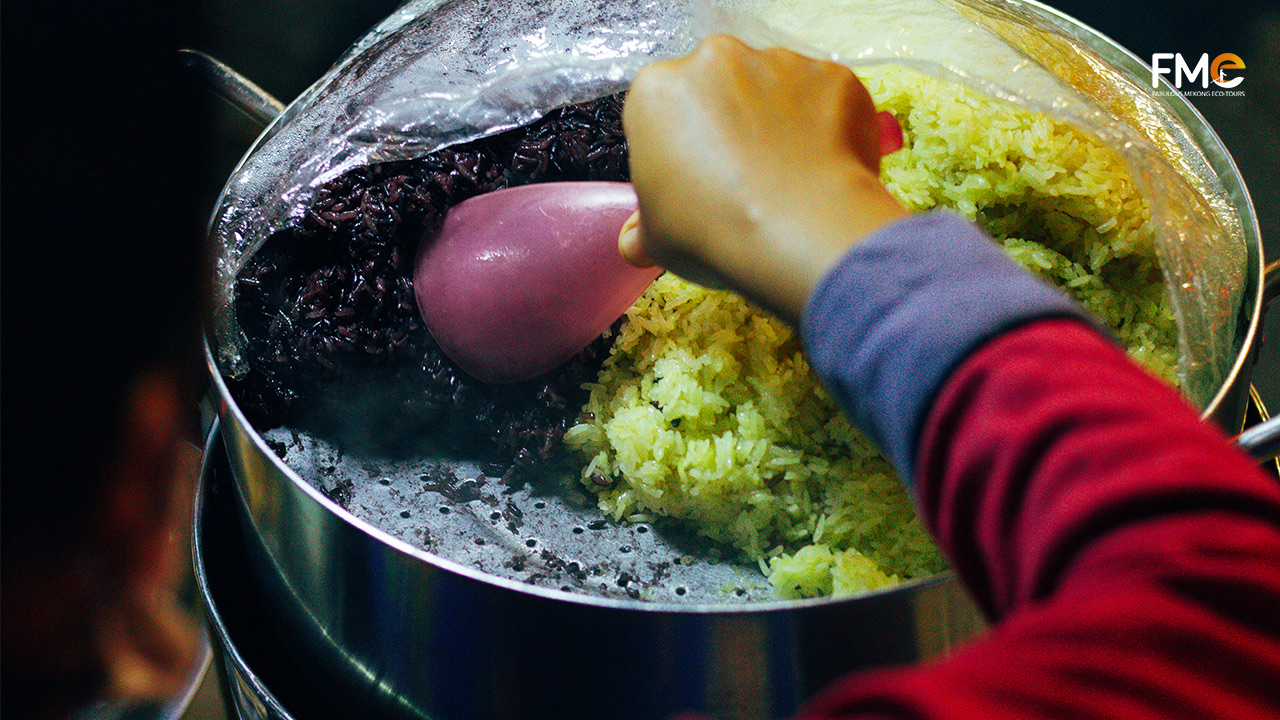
[1204, 70]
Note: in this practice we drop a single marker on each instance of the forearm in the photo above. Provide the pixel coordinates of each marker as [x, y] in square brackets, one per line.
[1049, 441]
[1129, 554]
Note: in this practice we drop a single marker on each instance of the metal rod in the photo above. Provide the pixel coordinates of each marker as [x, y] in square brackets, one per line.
[242, 93]
[1262, 441]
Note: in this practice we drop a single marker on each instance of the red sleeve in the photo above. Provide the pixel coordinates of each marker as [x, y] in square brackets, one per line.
[1129, 556]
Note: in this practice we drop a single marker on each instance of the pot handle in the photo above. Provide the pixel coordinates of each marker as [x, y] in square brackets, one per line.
[1270, 281]
[259, 105]
[1262, 441]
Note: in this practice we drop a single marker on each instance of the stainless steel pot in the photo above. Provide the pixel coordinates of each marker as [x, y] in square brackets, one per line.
[390, 629]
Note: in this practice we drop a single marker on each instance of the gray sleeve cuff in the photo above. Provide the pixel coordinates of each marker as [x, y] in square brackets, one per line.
[903, 308]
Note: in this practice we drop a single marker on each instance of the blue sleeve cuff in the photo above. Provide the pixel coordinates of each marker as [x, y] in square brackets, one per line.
[903, 308]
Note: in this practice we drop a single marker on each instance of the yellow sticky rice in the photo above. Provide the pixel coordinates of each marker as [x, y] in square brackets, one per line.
[707, 412]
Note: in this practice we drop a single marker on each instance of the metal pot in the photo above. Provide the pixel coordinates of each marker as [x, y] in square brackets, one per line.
[389, 629]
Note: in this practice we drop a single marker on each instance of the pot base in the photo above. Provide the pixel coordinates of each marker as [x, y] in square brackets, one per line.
[259, 681]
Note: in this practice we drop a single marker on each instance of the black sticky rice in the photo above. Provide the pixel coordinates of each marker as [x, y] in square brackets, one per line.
[336, 345]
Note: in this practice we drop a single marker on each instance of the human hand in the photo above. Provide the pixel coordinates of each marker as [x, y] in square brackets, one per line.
[755, 170]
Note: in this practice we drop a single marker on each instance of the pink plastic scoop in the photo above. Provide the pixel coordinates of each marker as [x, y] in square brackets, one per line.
[520, 280]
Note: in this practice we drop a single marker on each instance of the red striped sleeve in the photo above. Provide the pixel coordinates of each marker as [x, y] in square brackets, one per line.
[1129, 555]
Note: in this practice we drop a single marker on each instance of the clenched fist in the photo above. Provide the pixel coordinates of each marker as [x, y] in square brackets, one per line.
[755, 170]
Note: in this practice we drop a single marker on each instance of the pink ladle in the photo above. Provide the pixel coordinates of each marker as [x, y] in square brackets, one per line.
[520, 280]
